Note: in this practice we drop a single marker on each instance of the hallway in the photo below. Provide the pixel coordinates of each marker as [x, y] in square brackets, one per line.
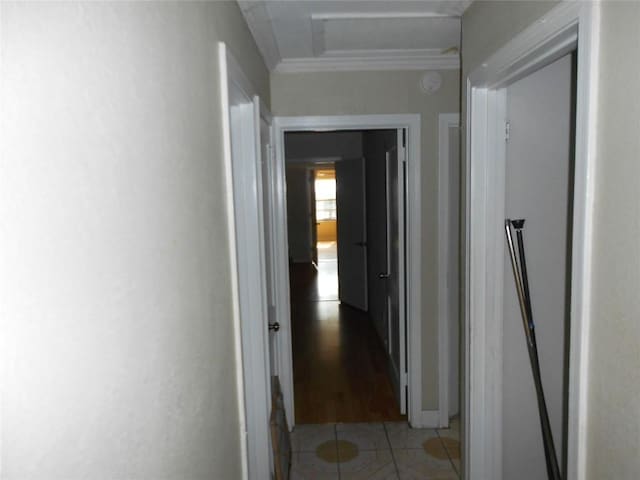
[339, 363]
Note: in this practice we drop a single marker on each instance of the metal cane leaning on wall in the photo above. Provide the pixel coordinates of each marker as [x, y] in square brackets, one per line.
[519, 265]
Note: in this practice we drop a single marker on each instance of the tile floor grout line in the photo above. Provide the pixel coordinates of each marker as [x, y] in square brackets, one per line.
[393, 457]
[447, 452]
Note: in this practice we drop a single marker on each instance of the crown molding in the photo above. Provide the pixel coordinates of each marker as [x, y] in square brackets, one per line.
[380, 15]
[259, 22]
[371, 60]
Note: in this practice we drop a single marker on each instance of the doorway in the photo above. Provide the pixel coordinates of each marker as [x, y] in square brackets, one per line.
[537, 186]
[326, 233]
[412, 379]
[537, 168]
[345, 190]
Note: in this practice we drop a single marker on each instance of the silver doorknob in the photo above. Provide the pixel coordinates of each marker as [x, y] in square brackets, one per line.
[383, 276]
[274, 326]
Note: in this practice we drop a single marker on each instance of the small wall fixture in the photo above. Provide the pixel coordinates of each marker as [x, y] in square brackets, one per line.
[430, 82]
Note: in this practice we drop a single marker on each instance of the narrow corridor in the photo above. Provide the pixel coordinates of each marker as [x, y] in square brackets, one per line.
[340, 365]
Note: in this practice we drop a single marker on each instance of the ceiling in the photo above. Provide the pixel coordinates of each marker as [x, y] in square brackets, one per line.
[326, 35]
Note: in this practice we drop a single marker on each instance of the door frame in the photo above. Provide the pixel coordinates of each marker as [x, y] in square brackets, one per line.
[245, 224]
[396, 380]
[445, 122]
[568, 26]
[413, 275]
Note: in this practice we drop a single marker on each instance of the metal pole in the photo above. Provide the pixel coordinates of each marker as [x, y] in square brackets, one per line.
[518, 279]
[524, 296]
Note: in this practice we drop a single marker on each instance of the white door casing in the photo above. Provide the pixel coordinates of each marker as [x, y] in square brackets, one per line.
[448, 268]
[411, 269]
[248, 249]
[565, 27]
[266, 162]
[395, 200]
[351, 232]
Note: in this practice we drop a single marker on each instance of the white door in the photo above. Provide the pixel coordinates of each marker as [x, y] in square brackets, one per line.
[267, 161]
[314, 219]
[453, 269]
[395, 282]
[248, 220]
[352, 232]
[539, 188]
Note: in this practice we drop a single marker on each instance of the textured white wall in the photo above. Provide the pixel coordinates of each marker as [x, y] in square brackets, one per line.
[361, 93]
[116, 325]
[613, 434]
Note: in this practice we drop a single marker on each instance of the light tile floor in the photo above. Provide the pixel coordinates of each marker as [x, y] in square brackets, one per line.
[371, 451]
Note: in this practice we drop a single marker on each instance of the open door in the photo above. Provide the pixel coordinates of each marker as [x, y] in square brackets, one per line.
[266, 162]
[278, 440]
[395, 269]
[352, 232]
[313, 222]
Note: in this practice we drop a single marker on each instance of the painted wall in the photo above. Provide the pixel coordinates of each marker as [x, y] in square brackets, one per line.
[117, 332]
[613, 425]
[613, 428]
[487, 25]
[351, 93]
[309, 145]
[301, 148]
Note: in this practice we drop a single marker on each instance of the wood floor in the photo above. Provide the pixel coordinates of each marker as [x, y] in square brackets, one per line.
[339, 363]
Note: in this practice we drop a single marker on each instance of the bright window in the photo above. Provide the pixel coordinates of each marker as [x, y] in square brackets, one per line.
[325, 199]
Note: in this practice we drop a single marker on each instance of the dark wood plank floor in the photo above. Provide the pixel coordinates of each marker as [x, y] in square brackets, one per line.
[339, 363]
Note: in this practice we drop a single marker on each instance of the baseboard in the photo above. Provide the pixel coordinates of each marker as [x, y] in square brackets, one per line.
[428, 419]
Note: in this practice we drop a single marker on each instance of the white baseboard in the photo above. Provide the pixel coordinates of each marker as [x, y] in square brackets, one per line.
[428, 419]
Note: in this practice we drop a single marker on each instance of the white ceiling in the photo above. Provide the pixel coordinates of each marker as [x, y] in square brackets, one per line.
[313, 35]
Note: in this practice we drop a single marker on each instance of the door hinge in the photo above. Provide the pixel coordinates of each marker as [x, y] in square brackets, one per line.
[405, 379]
[507, 131]
[404, 137]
